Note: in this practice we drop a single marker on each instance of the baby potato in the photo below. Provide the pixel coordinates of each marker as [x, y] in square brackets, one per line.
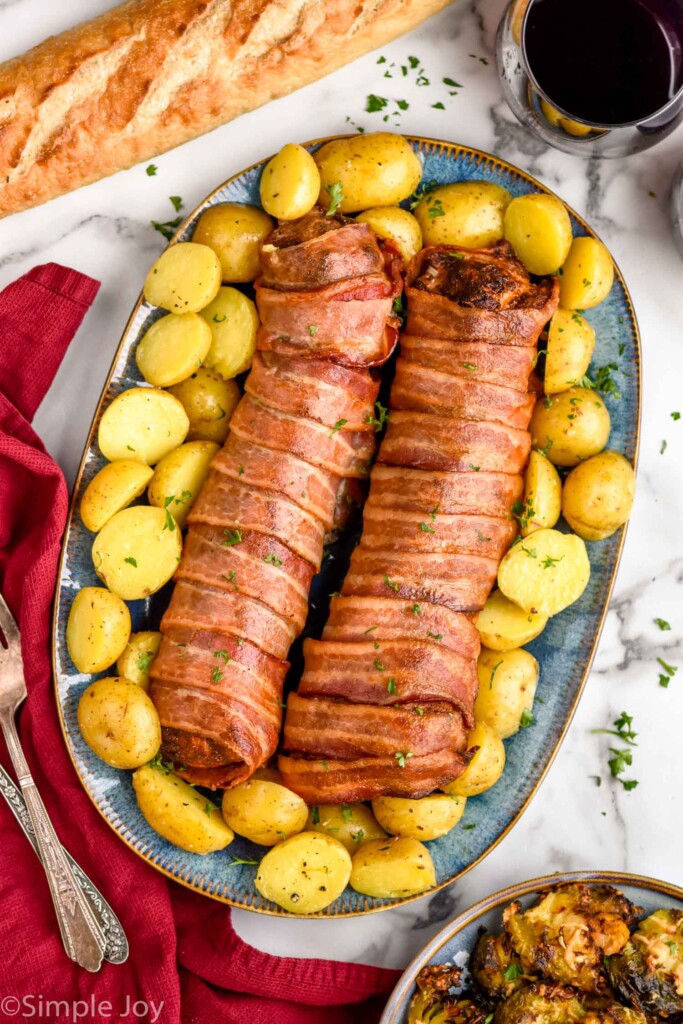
[503, 626]
[233, 321]
[538, 228]
[350, 824]
[507, 686]
[396, 225]
[208, 402]
[569, 350]
[97, 629]
[173, 348]
[485, 768]
[378, 169]
[290, 183]
[115, 486]
[119, 722]
[587, 274]
[571, 426]
[392, 868]
[143, 424]
[305, 873]
[236, 233]
[179, 477]
[424, 819]
[546, 573]
[263, 811]
[542, 494]
[137, 657]
[598, 495]
[466, 213]
[184, 279]
[137, 551]
[178, 812]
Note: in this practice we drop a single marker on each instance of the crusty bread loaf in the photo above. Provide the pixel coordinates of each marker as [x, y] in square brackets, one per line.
[152, 74]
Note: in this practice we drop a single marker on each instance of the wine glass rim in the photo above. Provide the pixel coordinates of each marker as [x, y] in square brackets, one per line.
[595, 125]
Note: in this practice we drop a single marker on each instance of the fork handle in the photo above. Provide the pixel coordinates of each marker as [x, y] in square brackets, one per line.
[81, 934]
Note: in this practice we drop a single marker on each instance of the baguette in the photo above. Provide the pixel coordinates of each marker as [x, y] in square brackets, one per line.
[152, 74]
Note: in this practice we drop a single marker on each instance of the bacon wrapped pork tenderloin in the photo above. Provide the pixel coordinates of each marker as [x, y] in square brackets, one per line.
[300, 438]
[387, 695]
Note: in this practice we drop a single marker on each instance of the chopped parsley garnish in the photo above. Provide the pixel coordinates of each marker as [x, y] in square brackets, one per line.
[596, 779]
[145, 660]
[391, 685]
[240, 470]
[131, 561]
[375, 104]
[169, 524]
[208, 807]
[358, 836]
[451, 83]
[435, 636]
[623, 728]
[435, 209]
[177, 202]
[272, 559]
[312, 329]
[468, 366]
[549, 562]
[315, 815]
[325, 765]
[151, 170]
[419, 711]
[512, 972]
[402, 758]
[222, 654]
[663, 624]
[347, 812]
[338, 425]
[416, 609]
[380, 418]
[393, 586]
[675, 415]
[482, 538]
[663, 447]
[668, 674]
[475, 469]
[422, 191]
[370, 629]
[529, 552]
[493, 672]
[399, 307]
[438, 106]
[232, 537]
[527, 719]
[546, 448]
[167, 228]
[378, 665]
[336, 194]
[426, 528]
[241, 860]
[217, 675]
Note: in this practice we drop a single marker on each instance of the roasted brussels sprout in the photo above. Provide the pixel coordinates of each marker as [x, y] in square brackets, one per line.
[540, 1004]
[615, 1013]
[435, 1004]
[648, 972]
[496, 969]
[569, 932]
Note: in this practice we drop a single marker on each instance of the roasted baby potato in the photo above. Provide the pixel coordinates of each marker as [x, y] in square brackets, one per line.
[208, 402]
[97, 629]
[503, 626]
[178, 812]
[137, 657]
[179, 476]
[545, 573]
[540, 1004]
[173, 348]
[538, 228]
[568, 933]
[569, 350]
[571, 426]
[305, 873]
[424, 819]
[137, 551]
[290, 183]
[184, 279]
[496, 969]
[264, 811]
[235, 232]
[507, 686]
[391, 868]
[233, 321]
[648, 971]
[115, 486]
[598, 494]
[396, 225]
[466, 213]
[542, 495]
[119, 722]
[587, 275]
[351, 824]
[378, 169]
[486, 766]
[143, 424]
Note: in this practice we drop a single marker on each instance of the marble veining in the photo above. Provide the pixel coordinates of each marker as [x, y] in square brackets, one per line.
[104, 230]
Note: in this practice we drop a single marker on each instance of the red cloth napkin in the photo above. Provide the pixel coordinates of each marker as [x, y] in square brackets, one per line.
[187, 963]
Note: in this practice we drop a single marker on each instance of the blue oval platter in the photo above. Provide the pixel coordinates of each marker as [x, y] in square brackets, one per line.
[562, 679]
[456, 942]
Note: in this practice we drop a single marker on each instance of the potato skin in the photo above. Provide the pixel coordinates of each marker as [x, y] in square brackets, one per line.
[571, 426]
[184, 279]
[97, 629]
[485, 768]
[542, 494]
[137, 657]
[305, 873]
[173, 348]
[119, 722]
[546, 572]
[397, 225]
[466, 213]
[115, 486]
[598, 494]
[392, 868]
[180, 476]
[570, 346]
[587, 275]
[378, 169]
[263, 811]
[504, 626]
[142, 424]
[538, 228]
[507, 685]
[235, 232]
[208, 402]
[233, 322]
[424, 819]
[179, 813]
[351, 824]
[290, 183]
[137, 551]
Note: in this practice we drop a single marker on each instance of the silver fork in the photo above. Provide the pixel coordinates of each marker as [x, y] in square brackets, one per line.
[82, 937]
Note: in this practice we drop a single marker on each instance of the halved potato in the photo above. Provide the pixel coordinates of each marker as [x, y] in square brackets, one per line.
[115, 486]
[352, 824]
[209, 402]
[137, 657]
[137, 551]
[538, 228]
[184, 279]
[466, 213]
[569, 350]
[119, 722]
[97, 629]
[235, 232]
[233, 322]
[504, 626]
[393, 867]
[546, 572]
[173, 348]
[142, 424]
[424, 819]
[507, 686]
[179, 812]
[587, 274]
[305, 873]
[179, 476]
[486, 766]
[542, 494]
[397, 225]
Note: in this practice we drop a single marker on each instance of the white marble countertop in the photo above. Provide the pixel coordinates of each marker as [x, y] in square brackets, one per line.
[104, 231]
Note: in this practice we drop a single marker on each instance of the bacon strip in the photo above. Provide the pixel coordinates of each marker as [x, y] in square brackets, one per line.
[387, 695]
[300, 438]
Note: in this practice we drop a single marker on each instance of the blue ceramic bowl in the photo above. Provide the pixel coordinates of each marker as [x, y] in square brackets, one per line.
[562, 678]
[456, 942]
